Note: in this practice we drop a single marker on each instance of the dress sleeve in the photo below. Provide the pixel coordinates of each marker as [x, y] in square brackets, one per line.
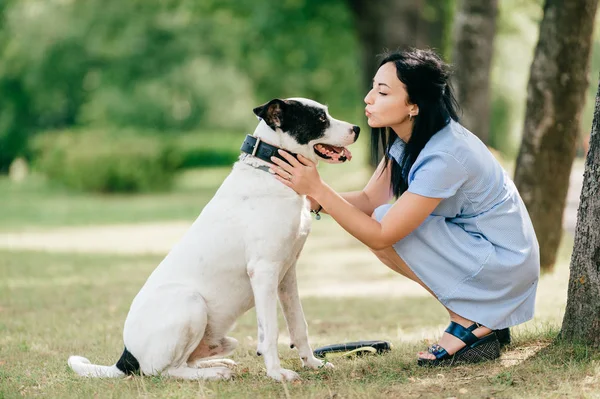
[437, 175]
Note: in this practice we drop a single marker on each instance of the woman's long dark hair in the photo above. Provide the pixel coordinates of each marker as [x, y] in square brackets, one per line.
[427, 81]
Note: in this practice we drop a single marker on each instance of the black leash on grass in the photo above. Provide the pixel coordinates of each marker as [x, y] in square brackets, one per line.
[358, 348]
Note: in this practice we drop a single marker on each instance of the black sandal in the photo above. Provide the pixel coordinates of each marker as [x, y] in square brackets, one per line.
[503, 337]
[476, 349]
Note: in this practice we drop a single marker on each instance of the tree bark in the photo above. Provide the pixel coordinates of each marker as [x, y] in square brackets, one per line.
[582, 315]
[474, 32]
[555, 98]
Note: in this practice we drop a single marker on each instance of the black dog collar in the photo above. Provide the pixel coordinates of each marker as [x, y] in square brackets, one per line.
[261, 150]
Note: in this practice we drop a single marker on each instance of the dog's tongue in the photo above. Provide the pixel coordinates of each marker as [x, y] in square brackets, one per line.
[335, 154]
[343, 151]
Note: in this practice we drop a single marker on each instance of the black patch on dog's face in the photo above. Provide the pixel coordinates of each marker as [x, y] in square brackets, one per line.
[304, 122]
[301, 121]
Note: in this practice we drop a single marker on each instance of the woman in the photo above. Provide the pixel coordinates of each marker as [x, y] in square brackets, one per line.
[458, 226]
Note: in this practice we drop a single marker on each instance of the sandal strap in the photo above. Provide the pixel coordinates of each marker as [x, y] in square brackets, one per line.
[437, 351]
[465, 334]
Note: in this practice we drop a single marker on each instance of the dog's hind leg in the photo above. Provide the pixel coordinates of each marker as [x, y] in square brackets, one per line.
[206, 353]
[164, 348]
[196, 333]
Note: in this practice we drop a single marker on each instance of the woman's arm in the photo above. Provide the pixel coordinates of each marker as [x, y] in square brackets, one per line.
[409, 211]
[377, 192]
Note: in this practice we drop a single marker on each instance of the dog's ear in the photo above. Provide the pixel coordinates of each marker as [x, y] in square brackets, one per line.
[271, 112]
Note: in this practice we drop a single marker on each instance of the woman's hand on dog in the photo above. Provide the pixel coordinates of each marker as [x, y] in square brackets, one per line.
[300, 174]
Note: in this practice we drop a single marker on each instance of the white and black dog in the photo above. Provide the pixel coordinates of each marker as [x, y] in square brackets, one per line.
[239, 253]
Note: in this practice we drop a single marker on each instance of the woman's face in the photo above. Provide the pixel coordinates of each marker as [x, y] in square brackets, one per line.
[387, 102]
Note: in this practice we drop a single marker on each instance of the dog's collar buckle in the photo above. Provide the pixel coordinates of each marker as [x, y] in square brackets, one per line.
[255, 147]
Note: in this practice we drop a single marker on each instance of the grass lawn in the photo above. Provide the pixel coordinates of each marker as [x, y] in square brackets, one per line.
[53, 305]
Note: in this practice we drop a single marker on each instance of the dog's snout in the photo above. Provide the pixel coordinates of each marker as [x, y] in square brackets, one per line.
[356, 130]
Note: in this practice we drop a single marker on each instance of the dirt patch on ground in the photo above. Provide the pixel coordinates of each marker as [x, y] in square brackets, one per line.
[461, 378]
[135, 239]
[517, 355]
[367, 278]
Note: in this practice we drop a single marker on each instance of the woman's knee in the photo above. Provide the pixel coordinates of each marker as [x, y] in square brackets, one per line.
[384, 257]
[392, 259]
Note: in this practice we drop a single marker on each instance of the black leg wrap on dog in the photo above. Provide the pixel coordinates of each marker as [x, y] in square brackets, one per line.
[128, 364]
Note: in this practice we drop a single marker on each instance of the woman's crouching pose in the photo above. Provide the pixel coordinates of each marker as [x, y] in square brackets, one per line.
[458, 226]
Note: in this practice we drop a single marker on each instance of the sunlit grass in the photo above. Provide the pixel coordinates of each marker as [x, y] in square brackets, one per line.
[37, 203]
[53, 305]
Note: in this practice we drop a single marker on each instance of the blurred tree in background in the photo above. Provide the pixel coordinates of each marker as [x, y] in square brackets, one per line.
[474, 32]
[398, 24]
[555, 100]
[192, 70]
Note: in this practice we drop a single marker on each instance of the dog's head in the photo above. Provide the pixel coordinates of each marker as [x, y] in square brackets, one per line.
[305, 127]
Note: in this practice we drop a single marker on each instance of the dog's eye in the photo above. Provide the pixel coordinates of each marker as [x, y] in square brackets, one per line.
[323, 118]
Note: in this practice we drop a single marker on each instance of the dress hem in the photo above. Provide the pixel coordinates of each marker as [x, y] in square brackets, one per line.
[506, 322]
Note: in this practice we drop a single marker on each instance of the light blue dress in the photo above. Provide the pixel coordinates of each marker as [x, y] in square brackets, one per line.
[477, 251]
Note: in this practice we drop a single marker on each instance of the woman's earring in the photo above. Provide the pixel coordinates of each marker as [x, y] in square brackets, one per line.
[410, 117]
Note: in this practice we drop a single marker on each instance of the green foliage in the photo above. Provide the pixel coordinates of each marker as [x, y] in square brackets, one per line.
[438, 17]
[587, 116]
[514, 45]
[202, 149]
[170, 66]
[106, 161]
[177, 66]
[300, 48]
[501, 112]
[14, 101]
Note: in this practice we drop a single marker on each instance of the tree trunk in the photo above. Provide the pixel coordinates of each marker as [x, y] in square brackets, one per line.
[474, 32]
[555, 98]
[386, 25]
[582, 316]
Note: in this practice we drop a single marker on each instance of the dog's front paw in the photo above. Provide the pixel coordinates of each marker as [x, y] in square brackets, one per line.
[315, 363]
[283, 375]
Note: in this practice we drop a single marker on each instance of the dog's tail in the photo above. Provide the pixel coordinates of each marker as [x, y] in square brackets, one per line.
[127, 364]
[84, 368]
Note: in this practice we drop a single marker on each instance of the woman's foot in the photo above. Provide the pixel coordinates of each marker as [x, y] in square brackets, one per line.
[452, 344]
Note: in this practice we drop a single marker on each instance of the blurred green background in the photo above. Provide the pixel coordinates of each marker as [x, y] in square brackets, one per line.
[120, 119]
[114, 96]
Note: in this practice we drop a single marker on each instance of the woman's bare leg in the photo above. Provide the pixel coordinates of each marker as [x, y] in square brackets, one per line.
[391, 259]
